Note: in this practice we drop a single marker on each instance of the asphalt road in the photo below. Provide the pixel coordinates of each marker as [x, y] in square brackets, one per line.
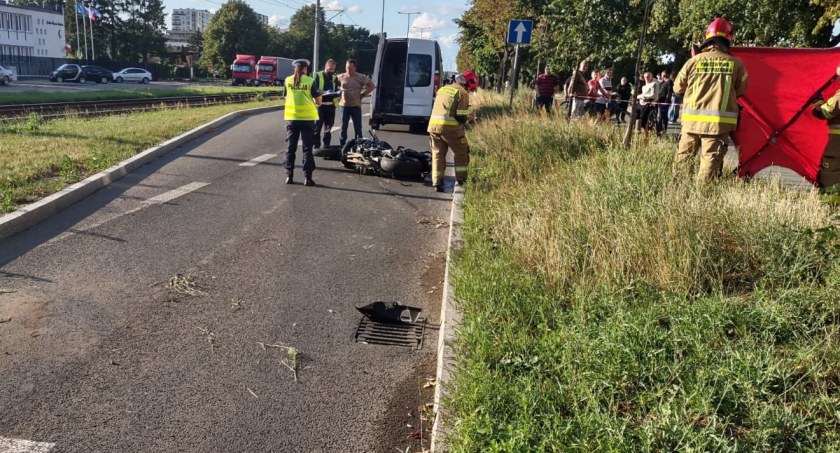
[99, 354]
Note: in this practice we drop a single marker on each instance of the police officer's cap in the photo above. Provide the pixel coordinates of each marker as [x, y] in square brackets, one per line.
[301, 62]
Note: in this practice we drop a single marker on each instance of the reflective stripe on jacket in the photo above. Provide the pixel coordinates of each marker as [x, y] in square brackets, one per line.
[321, 77]
[451, 101]
[300, 105]
[711, 82]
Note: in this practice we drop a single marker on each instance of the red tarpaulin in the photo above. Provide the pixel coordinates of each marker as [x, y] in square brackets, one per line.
[781, 82]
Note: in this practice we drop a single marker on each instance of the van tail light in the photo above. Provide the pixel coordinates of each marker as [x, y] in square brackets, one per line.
[437, 82]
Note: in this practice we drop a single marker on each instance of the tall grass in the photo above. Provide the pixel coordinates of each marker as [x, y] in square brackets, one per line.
[610, 304]
[37, 97]
[38, 157]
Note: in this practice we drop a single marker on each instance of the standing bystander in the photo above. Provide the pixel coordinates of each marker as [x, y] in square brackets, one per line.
[546, 85]
[354, 87]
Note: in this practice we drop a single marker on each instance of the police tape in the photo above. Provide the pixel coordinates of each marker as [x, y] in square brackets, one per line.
[595, 98]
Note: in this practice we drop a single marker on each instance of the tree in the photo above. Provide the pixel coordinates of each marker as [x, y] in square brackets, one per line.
[196, 42]
[234, 29]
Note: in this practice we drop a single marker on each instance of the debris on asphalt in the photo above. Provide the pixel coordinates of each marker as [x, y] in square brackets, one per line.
[2, 320]
[252, 393]
[235, 304]
[184, 284]
[209, 336]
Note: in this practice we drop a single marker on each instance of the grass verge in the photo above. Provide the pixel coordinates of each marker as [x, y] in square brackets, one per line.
[38, 158]
[609, 304]
[32, 97]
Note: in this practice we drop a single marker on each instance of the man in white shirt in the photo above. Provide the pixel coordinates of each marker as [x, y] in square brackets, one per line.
[650, 91]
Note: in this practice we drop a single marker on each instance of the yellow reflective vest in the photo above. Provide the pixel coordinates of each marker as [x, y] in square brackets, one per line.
[452, 100]
[300, 105]
[321, 76]
[711, 83]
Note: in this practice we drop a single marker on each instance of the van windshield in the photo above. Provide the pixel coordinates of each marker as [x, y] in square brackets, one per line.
[419, 70]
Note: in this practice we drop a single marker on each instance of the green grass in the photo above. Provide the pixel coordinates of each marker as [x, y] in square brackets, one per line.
[38, 158]
[610, 304]
[34, 97]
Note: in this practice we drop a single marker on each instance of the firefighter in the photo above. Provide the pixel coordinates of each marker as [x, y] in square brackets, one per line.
[711, 81]
[300, 113]
[326, 81]
[829, 174]
[446, 128]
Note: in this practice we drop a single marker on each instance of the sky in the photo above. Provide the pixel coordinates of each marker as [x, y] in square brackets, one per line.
[434, 19]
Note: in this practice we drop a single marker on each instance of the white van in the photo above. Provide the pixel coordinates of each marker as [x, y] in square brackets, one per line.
[407, 74]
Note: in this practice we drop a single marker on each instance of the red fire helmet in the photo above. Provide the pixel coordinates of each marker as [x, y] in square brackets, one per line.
[720, 27]
[472, 80]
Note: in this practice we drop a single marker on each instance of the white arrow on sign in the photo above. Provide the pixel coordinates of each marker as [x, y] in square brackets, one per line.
[519, 30]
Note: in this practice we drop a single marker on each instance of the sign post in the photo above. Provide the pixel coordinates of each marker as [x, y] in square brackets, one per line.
[519, 32]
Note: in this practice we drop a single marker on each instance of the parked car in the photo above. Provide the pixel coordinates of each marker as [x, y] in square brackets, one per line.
[5, 76]
[133, 75]
[74, 73]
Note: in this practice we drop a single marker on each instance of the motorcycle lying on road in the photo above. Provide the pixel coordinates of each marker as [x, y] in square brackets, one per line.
[372, 156]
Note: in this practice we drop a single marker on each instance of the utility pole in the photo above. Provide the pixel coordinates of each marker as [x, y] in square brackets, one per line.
[382, 25]
[628, 134]
[317, 36]
[408, 22]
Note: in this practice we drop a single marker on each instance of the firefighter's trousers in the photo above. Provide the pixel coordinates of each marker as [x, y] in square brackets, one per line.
[712, 150]
[440, 142]
[830, 164]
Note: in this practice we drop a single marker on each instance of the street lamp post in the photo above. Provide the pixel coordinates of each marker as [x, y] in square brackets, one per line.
[628, 134]
[408, 22]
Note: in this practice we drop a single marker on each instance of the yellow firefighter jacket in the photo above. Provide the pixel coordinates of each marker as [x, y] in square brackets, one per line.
[711, 82]
[830, 163]
[452, 100]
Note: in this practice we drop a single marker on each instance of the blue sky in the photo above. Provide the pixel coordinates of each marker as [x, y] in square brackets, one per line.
[435, 19]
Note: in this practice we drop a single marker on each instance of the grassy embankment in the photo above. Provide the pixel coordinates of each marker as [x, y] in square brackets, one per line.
[38, 158]
[34, 97]
[611, 305]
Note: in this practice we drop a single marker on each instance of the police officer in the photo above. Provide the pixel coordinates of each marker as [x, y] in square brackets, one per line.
[326, 81]
[446, 129]
[711, 81]
[829, 174]
[301, 112]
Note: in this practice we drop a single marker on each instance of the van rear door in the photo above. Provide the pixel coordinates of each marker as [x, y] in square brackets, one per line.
[419, 78]
[377, 68]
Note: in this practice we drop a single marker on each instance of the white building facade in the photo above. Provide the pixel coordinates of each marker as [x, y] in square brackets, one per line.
[190, 20]
[28, 32]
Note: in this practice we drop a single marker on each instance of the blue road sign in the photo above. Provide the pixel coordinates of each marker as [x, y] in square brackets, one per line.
[519, 31]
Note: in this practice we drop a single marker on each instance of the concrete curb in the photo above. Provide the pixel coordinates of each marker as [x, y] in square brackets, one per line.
[32, 214]
[450, 318]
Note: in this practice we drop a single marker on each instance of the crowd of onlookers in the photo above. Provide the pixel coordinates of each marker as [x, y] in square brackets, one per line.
[592, 94]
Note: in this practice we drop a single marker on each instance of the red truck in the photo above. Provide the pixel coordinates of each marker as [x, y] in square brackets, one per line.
[273, 70]
[244, 69]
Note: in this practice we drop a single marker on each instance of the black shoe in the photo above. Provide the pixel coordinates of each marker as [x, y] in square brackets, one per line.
[290, 179]
[460, 183]
[307, 181]
[439, 188]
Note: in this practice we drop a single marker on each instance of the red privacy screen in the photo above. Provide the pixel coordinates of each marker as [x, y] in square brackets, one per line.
[776, 126]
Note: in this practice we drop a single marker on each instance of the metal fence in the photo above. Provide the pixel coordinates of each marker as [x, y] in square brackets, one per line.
[42, 66]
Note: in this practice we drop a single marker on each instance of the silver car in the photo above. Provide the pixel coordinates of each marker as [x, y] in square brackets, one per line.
[5, 76]
[133, 75]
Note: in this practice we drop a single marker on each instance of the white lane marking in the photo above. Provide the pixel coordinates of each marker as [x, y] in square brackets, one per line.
[24, 446]
[258, 160]
[175, 193]
[160, 199]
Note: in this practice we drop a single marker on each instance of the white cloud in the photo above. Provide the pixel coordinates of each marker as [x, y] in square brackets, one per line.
[429, 21]
[334, 4]
[355, 9]
[278, 21]
[448, 40]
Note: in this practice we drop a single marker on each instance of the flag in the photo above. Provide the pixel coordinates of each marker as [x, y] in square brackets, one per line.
[776, 126]
[80, 9]
[93, 14]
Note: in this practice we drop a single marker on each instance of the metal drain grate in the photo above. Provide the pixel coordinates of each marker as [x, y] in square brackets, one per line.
[391, 333]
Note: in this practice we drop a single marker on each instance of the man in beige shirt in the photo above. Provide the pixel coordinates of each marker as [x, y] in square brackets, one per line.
[354, 87]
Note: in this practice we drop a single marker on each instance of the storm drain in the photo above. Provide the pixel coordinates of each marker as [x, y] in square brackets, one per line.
[390, 324]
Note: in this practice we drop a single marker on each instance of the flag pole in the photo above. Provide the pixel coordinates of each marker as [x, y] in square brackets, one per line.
[78, 45]
[84, 25]
[92, 49]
